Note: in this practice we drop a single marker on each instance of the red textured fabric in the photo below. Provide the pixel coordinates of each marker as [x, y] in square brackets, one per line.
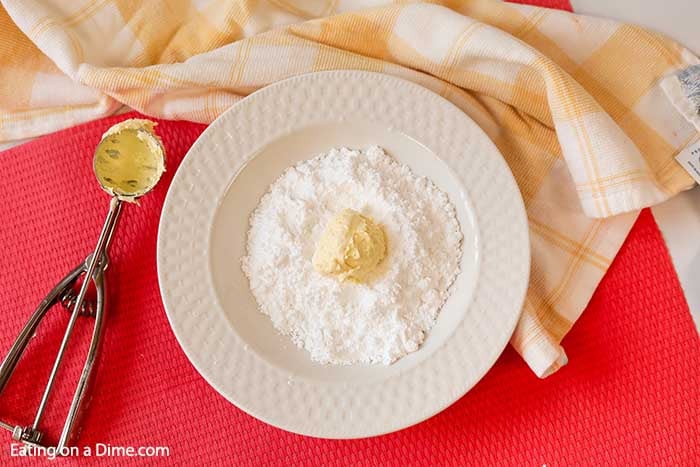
[559, 4]
[630, 393]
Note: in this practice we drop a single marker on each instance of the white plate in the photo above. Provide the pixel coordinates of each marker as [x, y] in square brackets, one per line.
[202, 238]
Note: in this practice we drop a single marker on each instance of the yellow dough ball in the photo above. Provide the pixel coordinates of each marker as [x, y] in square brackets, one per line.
[351, 247]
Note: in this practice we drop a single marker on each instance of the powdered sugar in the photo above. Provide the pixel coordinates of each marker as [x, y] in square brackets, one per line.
[346, 323]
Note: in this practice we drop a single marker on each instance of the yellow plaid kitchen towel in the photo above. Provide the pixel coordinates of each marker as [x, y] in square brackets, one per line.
[574, 103]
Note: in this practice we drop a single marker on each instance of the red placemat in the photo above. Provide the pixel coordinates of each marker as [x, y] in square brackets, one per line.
[630, 393]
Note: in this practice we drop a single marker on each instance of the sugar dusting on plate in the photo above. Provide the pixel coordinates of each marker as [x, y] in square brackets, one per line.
[337, 322]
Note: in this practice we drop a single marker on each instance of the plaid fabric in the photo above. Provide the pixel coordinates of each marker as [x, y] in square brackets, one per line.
[574, 103]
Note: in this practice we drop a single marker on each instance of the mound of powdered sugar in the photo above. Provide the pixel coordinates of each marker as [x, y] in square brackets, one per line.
[344, 322]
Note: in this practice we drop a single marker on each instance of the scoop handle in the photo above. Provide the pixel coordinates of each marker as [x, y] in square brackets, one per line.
[100, 252]
[13, 356]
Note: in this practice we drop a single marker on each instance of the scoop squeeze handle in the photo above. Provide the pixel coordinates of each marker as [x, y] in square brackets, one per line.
[93, 268]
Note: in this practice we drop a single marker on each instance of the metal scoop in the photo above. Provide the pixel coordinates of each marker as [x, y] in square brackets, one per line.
[128, 163]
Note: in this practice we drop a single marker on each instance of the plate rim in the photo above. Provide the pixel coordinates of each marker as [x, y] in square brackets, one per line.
[364, 77]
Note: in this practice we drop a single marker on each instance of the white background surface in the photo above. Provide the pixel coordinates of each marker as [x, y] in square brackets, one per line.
[679, 218]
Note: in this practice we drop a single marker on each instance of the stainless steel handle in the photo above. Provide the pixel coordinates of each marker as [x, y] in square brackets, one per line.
[105, 236]
[79, 397]
[15, 354]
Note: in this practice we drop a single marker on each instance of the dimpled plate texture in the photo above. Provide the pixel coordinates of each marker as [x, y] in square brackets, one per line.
[354, 408]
